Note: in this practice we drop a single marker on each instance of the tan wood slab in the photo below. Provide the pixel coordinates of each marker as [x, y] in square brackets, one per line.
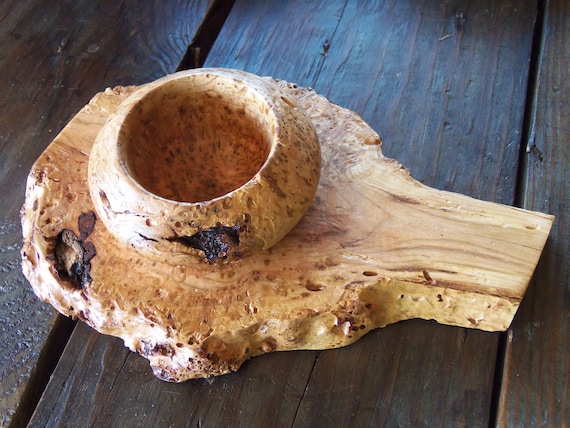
[376, 247]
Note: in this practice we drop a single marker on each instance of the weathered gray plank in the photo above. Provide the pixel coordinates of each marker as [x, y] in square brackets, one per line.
[100, 383]
[53, 58]
[443, 83]
[536, 379]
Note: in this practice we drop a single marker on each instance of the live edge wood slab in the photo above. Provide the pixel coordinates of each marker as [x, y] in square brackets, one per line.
[374, 248]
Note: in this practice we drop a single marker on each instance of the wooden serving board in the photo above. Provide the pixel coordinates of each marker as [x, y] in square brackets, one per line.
[376, 247]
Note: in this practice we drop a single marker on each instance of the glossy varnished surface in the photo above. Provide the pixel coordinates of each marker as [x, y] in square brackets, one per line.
[447, 85]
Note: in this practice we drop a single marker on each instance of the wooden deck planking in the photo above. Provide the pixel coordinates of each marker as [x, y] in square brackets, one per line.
[101, 383]
[536, 378]
[53, 59]
[387, 61]
[433, 79]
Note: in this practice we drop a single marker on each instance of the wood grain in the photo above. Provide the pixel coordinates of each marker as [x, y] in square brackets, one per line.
[535, 388]
[53, 59]
[448, 106]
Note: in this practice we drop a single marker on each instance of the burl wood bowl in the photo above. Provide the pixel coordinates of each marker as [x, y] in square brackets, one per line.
[211, 164]
[214, 215]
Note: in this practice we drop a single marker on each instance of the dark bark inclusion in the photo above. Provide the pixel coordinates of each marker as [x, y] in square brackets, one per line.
[73, 254]
[217, 242]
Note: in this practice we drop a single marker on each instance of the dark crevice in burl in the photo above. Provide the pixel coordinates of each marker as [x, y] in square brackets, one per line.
[218, 242]
[73, 254]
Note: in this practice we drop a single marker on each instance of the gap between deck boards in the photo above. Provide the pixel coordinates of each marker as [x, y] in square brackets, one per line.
[526, 143]
[47, 362]
[206, 35]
